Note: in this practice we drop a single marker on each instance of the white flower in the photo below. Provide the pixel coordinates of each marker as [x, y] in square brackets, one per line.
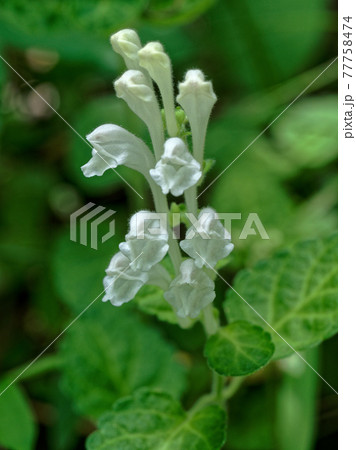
[177, 170]
[136, 90]
[154, 59]
[207, 241]
[122, 282]
[127, 44]
[191, 291]
[197, 98]
[114, 146]
[147, 237]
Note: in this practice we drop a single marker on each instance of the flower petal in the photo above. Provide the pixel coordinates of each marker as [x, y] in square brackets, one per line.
[137, 92]
[191, 291]
[207, 241]
[177, 170]
[197, 98]
[122, 282]
[115, 146]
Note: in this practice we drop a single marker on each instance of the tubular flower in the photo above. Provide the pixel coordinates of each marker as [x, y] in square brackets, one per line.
[153, 58]
[197, 98]
[134, 88]
[147, 236]
[122, 282]
[207, 241]
[191, 291]
[177, 170]
[114, 146]
[127, 44]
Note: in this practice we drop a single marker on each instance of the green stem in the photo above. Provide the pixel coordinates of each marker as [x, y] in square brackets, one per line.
[210, 322]
[161, 206]
[190, 196]
[231, 389]
[218, 385]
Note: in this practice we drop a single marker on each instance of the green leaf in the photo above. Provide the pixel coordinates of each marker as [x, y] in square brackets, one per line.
[264, 45]
[295, 292]
[170, 12]
[239, 349]
[308, 133]
[17, 426]
[109, 353]
[150, 300]
[57, 17]
[153, 420]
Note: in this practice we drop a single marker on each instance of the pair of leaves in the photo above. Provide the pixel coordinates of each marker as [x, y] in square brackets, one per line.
[110, 353]
[154, 420]
[287, 303]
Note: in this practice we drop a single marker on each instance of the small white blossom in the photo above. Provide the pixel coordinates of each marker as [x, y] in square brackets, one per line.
[122, 282]
[207, 241]
[177, 170]
[136, 90]
[197, 98]
[154, 59]
[115, 146]
[191, 291]
[127, 44]
[147, 237]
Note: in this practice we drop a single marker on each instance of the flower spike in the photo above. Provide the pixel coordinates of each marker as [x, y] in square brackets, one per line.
[197, 98]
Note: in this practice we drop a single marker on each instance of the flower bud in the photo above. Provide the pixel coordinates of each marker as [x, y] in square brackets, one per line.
[114, 146]
[153, 58]
[134, 88]
[127, 44]
[191, 291]
[197, 98]
[177, 170]
[147, 237]
[207, 241]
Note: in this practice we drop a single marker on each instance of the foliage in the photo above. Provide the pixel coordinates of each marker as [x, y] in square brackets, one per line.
[295, 292]
[152, 419]
[111, 355]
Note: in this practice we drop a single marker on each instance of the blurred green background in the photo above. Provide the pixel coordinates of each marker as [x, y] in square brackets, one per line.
[260, 56]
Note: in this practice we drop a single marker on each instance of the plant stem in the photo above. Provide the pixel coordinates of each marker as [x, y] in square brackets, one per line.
[161, 206]
[217, 388]
[231, 389]
[190, 196]
[210, 322]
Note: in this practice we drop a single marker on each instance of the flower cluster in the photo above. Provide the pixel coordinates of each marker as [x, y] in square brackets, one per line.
[170, 169]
